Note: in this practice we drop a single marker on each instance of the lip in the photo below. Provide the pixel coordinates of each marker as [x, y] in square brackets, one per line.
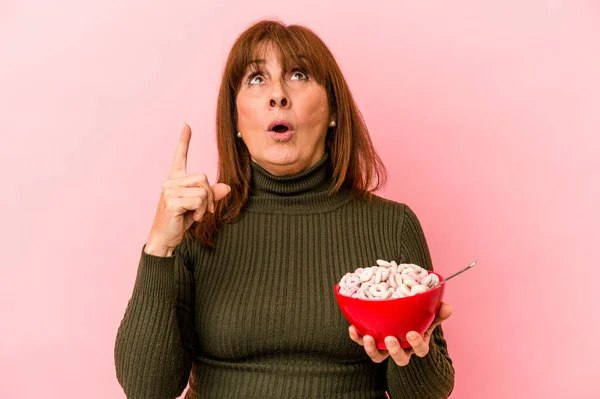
[281, 122]
[281, 137]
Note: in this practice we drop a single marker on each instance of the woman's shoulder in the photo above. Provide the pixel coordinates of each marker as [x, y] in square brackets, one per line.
[387, 208]
[378, 202]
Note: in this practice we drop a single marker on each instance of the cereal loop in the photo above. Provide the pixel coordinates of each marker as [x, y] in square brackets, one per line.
[387, 279]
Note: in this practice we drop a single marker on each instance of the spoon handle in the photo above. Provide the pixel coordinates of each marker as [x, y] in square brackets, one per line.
[459, 272]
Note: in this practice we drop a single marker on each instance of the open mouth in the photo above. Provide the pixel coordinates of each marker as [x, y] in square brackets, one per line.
[280, 128]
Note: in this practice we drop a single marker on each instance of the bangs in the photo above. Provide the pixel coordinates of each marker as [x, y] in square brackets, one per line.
[295, 46]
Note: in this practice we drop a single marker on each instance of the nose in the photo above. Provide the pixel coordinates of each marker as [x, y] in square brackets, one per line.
[279, 98]
[283, 101]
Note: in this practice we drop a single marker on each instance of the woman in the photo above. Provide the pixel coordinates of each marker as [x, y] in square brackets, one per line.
[234, 287]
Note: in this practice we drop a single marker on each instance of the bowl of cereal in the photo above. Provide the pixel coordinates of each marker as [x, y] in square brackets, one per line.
[390, 299]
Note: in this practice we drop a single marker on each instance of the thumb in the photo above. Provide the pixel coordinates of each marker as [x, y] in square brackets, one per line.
[220, 190]
[444, 313]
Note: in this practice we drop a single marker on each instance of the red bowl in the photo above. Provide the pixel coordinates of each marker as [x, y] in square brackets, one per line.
[380, 318]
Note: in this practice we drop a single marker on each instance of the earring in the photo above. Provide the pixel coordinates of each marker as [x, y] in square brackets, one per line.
[239, 134]
[332, 124]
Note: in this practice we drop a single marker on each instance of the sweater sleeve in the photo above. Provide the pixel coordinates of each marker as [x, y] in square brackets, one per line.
[431, 376]
[156, 340]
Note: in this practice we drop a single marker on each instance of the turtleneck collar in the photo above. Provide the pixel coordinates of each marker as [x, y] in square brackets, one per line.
[306, 192]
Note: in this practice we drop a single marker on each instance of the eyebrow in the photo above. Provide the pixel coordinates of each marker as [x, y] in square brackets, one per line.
[257, 64]
[254, 64]
[261, 61]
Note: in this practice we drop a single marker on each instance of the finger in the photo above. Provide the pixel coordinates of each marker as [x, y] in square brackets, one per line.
[181, 205]
[190, 217]
[199, 194]
[193, 180]
[443, 313]
[187, 192]
[210, 205]
[400, 356]
[220, 190]
[355, 336]
[204, 204]
[215, 192]
[418, 344]
[178, 169]
[375, 354]
[195, 204]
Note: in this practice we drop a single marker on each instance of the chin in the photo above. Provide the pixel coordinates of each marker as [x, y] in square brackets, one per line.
[281, 156]
[281, 161]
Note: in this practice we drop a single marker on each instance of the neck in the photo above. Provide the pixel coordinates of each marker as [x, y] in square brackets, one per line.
[307, 192]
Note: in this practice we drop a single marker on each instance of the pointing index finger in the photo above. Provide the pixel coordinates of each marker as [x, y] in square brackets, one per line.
[179, 167]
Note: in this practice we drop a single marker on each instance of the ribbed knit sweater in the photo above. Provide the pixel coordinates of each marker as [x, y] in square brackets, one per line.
[256, 317]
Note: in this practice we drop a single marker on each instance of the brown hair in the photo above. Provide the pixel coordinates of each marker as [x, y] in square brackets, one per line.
[355, 164]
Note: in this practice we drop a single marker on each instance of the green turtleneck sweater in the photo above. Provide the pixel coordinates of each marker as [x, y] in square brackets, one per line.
[256, 317]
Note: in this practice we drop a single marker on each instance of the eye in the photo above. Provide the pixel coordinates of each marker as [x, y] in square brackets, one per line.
[255, 79]
[298, 75]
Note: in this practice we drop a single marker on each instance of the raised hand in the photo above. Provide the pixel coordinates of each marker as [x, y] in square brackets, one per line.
[183, 200]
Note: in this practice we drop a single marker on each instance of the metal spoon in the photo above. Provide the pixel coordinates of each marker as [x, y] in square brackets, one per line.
[459, 272]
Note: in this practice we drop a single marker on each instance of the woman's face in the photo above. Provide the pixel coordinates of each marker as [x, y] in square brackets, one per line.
[283, 117]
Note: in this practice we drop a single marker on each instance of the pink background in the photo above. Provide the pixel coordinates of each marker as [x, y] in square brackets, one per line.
[487, 114]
